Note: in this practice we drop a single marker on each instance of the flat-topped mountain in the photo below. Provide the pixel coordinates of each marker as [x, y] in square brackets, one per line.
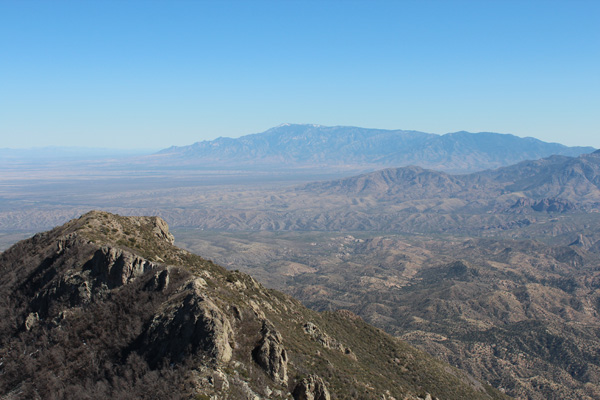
[106, 307]
[292, 145]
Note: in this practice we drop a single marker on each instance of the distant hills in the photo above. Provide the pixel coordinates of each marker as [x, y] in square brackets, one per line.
[412, 200]
[572, 181]
[406, 199]
[293, 145]
[519, 314]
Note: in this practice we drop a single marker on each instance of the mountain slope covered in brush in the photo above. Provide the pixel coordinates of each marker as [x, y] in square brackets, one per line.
[106, 307]
[520, 314]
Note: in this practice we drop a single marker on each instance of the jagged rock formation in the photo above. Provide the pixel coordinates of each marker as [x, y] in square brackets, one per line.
[582, 241]
[188, 323]
[311, 388]
[112, 267]
[271, 355]
[550, 205]
[106, 307]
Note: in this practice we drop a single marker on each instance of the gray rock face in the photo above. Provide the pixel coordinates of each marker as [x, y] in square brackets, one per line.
[160, 280]
[311, 388]
[73, 289]
[271, 355]
[161, 230]
[189, 323]
[115, 267]
[97, 272]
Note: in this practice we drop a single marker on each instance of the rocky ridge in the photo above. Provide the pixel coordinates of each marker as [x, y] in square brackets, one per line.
[106, 306]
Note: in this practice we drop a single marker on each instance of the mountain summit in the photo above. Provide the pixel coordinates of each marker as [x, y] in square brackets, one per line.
[106, 307]
[352, 147]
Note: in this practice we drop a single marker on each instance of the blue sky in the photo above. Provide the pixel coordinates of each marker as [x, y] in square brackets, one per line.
[151, 74]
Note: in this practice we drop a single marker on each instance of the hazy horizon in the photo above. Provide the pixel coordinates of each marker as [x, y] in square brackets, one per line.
[155, 74]
[142, 150]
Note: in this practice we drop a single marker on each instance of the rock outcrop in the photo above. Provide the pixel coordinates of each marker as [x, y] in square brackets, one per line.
[161, 230]
[271, 355]
[189, 323]
[108, 268]
[311, 388]
[114, 267]
[552, 205]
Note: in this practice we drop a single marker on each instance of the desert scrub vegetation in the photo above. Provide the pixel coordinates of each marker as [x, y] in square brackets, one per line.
[78, 320]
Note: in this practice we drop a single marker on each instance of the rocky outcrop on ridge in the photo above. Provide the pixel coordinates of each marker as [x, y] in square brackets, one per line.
[189, 323]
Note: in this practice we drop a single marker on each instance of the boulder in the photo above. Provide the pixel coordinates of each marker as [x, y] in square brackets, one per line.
[311, 388]
[325, 340]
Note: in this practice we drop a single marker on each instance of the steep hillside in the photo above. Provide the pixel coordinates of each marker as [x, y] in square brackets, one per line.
[519, 314]
[106, 307]
[312, 146]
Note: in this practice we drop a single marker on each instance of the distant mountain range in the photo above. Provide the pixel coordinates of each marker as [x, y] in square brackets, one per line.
[292, 145]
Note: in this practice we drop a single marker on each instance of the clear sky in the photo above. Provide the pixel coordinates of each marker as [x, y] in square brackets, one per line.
[151, 74]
